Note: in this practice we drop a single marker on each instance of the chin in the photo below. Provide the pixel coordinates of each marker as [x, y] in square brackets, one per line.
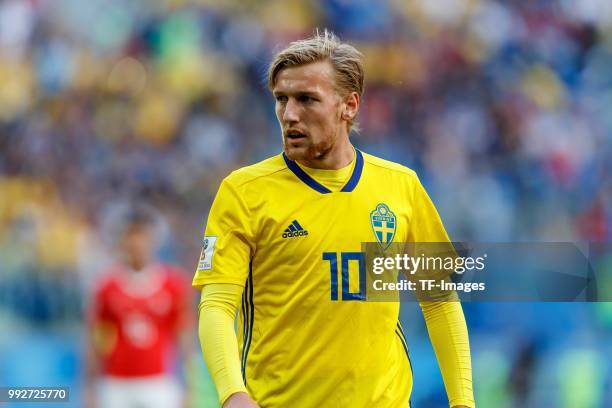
[297, 153]
[307, 153]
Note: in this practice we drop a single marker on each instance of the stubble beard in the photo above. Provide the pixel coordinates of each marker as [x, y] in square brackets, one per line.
[313, 151]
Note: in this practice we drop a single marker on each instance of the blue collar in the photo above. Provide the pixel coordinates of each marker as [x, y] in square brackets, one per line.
[315, 185]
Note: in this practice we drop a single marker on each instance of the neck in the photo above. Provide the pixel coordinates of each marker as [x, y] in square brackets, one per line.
[137, 265]
[339, 156]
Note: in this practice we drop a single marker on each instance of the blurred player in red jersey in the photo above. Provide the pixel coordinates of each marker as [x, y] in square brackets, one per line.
[139, 318]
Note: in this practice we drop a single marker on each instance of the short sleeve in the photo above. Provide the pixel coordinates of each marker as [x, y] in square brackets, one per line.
[97, 309]
[425, 223]
[181, 315]
[228, 244]
[428, 239]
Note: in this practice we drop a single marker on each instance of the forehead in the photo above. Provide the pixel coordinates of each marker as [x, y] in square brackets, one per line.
[137, 228]
[313, 77]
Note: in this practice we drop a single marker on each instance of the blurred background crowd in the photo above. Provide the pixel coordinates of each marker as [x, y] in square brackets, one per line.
[503, 108]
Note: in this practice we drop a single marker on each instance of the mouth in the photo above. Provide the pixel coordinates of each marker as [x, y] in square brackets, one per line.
[295, 135]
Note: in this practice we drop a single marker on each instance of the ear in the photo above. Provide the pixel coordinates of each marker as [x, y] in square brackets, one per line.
[351, 106]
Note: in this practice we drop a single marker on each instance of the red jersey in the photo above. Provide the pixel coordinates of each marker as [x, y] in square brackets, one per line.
[142, 314]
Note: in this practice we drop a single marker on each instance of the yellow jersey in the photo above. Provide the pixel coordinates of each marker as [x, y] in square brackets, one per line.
[307, 336]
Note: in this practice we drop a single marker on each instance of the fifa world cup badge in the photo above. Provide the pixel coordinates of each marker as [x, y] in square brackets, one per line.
[206, 256]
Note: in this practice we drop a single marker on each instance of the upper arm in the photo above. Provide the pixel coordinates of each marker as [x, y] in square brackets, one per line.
[221, 296]
[228, 242]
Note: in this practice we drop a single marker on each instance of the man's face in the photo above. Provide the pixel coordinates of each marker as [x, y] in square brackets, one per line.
[309, 109]
[138, 245]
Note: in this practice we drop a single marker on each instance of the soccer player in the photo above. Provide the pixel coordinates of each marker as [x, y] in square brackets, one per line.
[282, 246]
[138, 320]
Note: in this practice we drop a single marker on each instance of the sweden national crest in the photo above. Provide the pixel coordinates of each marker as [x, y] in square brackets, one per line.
[383, 224]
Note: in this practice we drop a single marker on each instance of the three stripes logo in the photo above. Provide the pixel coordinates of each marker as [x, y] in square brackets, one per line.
[294, 230]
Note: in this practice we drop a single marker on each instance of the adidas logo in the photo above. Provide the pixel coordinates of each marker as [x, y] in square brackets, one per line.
[294, 230]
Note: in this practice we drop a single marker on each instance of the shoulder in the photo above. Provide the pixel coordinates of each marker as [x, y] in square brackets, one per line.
[256, 172]
[174, 273]
[389, 166]
[176, 278]
[107, 281]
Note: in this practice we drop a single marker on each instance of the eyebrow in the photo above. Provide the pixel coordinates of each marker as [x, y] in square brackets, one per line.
[297, 93]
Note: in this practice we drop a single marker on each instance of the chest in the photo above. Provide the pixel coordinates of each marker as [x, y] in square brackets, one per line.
[299, 227]
[156, 306]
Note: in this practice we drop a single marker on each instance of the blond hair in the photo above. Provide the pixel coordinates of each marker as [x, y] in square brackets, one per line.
[346, 61]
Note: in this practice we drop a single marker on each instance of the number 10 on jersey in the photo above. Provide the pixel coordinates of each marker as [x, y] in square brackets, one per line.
[346, 259]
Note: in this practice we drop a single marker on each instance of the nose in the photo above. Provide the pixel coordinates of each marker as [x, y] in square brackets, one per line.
[291, 114]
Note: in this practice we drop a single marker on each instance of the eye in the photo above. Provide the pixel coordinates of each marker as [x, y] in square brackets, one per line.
[305, 99]
[281, 98]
